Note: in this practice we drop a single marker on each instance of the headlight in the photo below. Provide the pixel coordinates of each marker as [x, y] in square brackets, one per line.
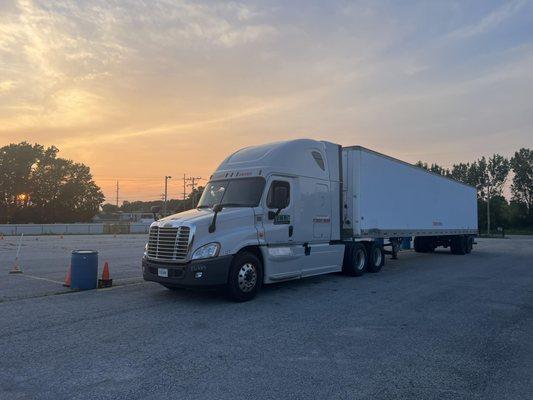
[146, 249]
[206, 251]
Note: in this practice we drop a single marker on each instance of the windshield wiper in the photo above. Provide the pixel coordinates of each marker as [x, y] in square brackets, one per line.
[203, 206]
[235, 205]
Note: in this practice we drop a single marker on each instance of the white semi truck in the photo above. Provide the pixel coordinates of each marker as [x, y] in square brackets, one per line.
[293, 209]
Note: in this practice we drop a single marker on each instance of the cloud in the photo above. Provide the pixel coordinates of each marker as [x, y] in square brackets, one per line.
[489, 21]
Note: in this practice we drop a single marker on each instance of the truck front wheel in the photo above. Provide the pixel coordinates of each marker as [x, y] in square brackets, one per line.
[245, 277]
[356, 260]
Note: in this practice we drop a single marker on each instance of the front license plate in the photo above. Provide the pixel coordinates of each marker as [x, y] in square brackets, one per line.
[162, 272]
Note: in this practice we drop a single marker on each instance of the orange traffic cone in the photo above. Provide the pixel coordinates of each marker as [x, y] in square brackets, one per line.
[105, 281]
[16, 268]
[67, 278]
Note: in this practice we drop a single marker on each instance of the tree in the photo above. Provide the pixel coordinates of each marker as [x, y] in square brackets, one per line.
[37, 186]
[110, 208]
[466, 173]
[522, 186]
[433, 168]
[493, 176]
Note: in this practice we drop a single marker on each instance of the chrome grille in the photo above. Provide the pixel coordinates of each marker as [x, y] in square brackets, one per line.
[168, 244]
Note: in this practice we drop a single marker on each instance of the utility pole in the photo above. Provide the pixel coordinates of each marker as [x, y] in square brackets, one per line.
[117, 195]
[194, 181]
[184, 187]
[488, 210]
[166, 195]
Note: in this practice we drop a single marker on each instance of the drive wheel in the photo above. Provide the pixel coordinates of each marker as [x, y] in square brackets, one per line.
[245, 277]
[356, 260]
[376, 258]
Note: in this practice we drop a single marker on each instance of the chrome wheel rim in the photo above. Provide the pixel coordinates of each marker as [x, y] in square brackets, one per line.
[247, 277]
[359, 259]
[377, 256]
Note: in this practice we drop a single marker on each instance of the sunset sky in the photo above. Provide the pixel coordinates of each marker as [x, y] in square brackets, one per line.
[142, 89]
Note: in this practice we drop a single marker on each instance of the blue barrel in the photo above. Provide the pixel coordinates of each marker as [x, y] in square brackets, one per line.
[84, 269]
[406, 243]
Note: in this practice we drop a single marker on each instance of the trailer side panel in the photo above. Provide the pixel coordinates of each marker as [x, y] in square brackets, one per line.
[393, 198]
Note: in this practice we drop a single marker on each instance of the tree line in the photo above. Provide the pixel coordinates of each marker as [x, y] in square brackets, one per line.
[36, 186]
[489, 176]
[173, 205]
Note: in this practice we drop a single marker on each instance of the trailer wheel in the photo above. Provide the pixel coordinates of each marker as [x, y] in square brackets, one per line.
[458, 245]
[469, 244]
[245, 277]
[355, 260]
[376, 257]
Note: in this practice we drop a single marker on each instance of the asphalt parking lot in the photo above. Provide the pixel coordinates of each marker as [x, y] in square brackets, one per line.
[429, 326]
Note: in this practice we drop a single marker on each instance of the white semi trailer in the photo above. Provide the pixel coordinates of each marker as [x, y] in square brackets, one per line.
[299, 208]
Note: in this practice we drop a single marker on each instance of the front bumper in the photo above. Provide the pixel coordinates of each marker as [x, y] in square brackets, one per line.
[198, 273]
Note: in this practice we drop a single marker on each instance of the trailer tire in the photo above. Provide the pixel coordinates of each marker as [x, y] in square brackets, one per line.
[245, 277]
[469, 244]
[355, 262]
[376, 257]
[458, 245]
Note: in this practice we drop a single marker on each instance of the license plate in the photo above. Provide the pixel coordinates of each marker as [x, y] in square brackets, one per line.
[162, 272]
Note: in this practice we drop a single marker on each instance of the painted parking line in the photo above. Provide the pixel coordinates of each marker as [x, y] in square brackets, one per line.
[40, 278]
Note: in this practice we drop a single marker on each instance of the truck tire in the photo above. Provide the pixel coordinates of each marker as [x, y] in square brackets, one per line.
[458, 245]
[355, 262]
[469, 244]
[376, 257]
[245, 277]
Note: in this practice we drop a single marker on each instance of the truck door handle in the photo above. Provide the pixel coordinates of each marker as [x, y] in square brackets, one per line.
[291, 229]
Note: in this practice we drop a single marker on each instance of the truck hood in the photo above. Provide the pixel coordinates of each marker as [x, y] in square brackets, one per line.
[204, 216]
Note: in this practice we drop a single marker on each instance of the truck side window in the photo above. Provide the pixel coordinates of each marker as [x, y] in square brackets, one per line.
[278, 186]
[319, 160]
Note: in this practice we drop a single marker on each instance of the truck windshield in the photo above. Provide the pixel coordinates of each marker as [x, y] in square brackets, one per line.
[244, 192]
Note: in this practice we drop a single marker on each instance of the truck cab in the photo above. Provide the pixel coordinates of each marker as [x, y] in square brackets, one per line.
[268, 213]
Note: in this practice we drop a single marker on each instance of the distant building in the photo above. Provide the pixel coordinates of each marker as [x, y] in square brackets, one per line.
[139, 217]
